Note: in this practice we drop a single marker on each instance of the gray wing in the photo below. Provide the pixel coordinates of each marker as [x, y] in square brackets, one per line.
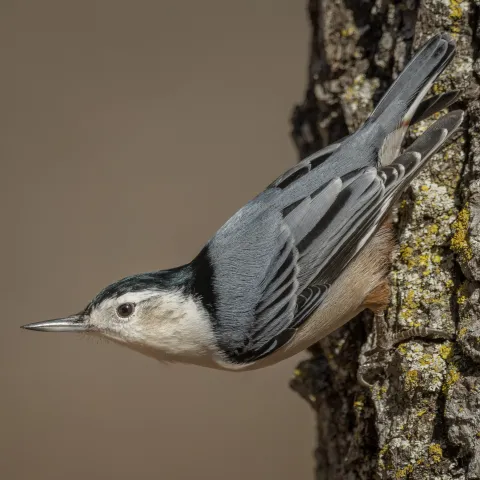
[274, 261]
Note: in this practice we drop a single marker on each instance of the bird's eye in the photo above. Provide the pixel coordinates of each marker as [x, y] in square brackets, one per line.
[125, 309]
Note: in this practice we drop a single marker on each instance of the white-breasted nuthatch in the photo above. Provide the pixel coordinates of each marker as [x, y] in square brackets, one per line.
[296, 262]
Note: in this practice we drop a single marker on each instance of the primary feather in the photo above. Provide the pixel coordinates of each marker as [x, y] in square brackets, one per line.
[271, 265]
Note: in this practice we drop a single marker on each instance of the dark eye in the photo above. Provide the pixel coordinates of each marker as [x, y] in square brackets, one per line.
[125, 310]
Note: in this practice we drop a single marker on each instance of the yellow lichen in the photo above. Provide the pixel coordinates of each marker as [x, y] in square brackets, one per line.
[455, 29]
[452, 377]
[347, 32]
[461, 300]
[437, 89]
[459, 242]
[404, 472]
[456, 12]
[383, 450]
[436, 453]
[462, 293]
[358, 404]
[462, 332]
[446, 350]
[423, 259]
[381, 392]
[426, 359]
[297, 372]
[411, 379]
[406, 252]
[421, 413]
[409, 305]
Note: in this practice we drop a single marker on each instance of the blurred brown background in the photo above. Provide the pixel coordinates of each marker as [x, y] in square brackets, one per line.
[130, 131]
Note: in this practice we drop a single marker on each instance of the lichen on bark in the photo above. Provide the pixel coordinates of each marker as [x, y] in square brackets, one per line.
[421, 419]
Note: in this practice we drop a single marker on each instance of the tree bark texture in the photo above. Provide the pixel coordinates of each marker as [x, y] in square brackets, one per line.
[421, 418]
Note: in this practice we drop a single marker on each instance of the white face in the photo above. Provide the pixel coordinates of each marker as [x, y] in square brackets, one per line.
[170, 325]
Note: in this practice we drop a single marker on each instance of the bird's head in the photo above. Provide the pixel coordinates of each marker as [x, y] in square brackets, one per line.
[154, 313]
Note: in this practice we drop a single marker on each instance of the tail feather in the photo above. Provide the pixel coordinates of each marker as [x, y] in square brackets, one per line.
[407, 166]
[433, 105]
[403, 104]
[415, 80]
[427, 144]
[450, 122]
[426, 109]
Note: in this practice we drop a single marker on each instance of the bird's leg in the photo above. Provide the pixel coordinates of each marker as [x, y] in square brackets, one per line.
[377, 301]
[382, 346]
[385, 341]
[381, 335]
[419, 332]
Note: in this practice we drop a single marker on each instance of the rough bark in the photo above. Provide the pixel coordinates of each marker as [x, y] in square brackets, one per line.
[421, 419]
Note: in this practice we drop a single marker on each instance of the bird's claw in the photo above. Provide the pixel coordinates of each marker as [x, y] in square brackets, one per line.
[367, 368]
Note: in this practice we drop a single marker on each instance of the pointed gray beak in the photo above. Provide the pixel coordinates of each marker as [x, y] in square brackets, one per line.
[74, 323]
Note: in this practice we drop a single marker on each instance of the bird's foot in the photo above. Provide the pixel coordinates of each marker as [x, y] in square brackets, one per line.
[385, 342]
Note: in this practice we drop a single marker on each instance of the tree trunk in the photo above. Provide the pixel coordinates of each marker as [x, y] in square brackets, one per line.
[421, 419]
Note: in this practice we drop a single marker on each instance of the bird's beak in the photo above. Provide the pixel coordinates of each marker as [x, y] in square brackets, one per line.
[74, 323]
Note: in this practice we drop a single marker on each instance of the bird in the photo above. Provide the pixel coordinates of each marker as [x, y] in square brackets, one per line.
[299, 260]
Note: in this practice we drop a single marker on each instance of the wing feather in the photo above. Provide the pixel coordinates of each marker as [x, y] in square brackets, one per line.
[281, 252]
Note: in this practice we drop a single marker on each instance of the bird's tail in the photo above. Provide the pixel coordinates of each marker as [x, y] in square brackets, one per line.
[399, 174]
[403, 104]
